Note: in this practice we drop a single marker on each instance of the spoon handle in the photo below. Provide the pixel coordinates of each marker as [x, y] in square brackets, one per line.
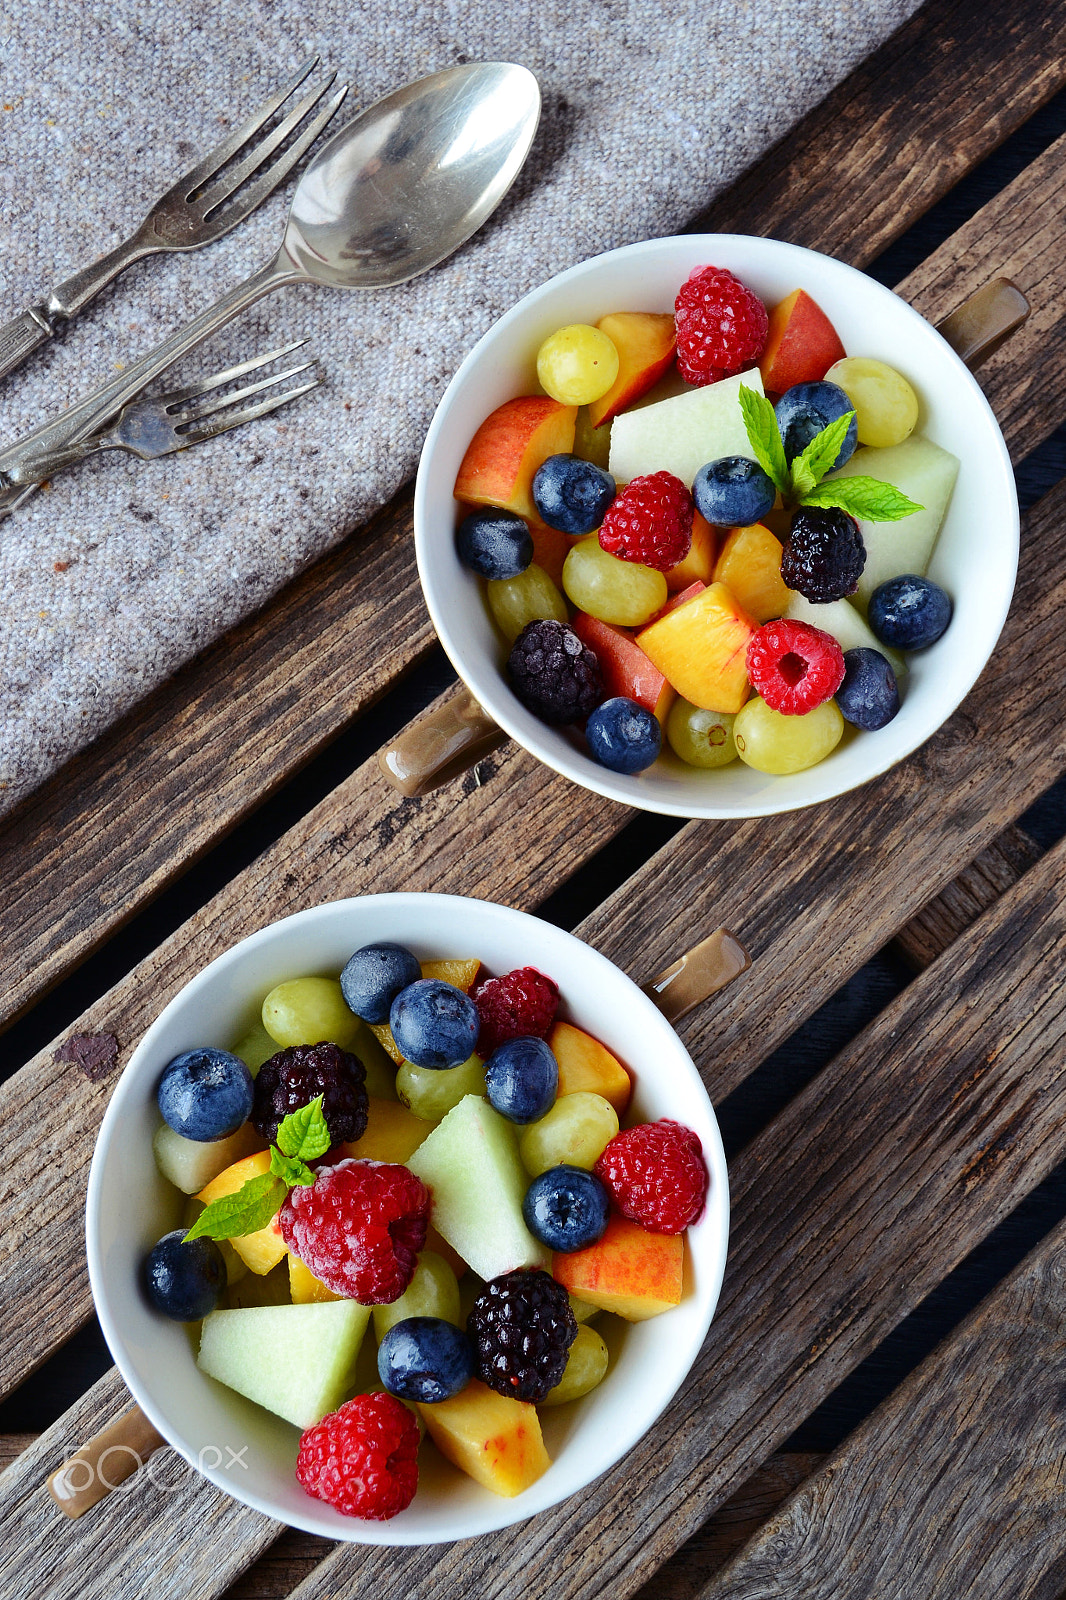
[32, 459]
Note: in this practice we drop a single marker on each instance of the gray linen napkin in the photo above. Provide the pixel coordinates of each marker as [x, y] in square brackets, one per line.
[122, 570]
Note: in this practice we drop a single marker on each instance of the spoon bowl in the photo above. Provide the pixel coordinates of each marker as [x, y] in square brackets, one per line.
[405, 183]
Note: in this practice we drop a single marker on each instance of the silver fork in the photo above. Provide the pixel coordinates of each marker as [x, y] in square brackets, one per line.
[174, 421]
[192, 213]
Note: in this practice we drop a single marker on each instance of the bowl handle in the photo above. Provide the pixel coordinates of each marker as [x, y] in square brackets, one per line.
[445, 741]
[108, 1459]
[700, 972]
[977, 328]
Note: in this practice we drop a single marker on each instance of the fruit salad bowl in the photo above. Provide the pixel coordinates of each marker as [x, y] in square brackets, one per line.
[242, 1448]
[975, 558]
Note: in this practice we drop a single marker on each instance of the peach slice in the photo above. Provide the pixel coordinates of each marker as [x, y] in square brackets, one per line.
[646, 342]
[392, 1133]
[629, 1271]
[701, 649]
[586, 1064]
[801, 343]
[626, 669]
[262, 1250]
[496, 1441]
[503, 456]
[698, 565]
[750, 567]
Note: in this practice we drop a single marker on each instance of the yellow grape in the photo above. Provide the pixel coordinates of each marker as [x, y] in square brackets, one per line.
[530, 597]
[431, 1094]
[886, 407]
[309, 1011]
[622, 592]
[432, 1292]
[586, 1366]
[575, 1133]
[577, 365]
[700, 738]
[771, 742]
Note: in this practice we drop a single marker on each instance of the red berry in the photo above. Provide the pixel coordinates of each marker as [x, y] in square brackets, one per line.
[362, 1458]
[655, 1174]
[794, 667]
[359, 1227]
[521, 1004]
[721, 326]
[650, 522]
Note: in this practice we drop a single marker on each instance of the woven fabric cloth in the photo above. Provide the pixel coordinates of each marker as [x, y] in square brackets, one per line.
[123, 570]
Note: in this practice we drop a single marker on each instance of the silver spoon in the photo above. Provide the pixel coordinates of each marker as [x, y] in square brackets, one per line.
[390, 195]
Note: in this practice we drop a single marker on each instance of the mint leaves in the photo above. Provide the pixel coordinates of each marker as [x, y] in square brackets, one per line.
[302, 1137]
[801, 483]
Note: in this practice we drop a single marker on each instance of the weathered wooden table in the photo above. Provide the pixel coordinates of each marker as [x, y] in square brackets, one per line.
[851, 1204]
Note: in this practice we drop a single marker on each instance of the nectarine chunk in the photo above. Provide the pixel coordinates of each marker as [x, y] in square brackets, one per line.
[701, 648]
[625, 668]
[506, 451]
[698, 565]
[629, 1271]
[496, 1441]
[750, 567]
[801, 343]
[585, 1064]
[260, 1251]
[392, 1133]
[646, 342]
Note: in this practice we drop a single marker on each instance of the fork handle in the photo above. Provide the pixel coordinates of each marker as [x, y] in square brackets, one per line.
[37, 324]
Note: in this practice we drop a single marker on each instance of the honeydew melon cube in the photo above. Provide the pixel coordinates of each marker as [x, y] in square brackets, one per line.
[682, 434]
[471, 1164]
[297, 1361]
[189, 1164]
[842, 622]
[925, 473]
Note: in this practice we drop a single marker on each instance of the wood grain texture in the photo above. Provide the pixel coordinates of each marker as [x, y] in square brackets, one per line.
[166, 1531]
[938, 97]
[12, 1446]
[954, 1485]
[990, 874]
[870, 1186]
[77, 860]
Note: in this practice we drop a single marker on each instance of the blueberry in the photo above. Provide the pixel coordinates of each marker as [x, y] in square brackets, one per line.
[374, 977]
[909, 613]
[205, 1094]
[494, 544]
[425, 1358]
[521, 1079]
[572, 495]
[434, 1024]
[183, 1280]
[733, 492]
[566, 1208]
[807, 408]
[623, 735]
[868, 697]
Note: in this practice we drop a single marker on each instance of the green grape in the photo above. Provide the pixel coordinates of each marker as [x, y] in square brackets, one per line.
[586, 1366]
[583, 1311]
[771, 742]
[432, 1292]
[431, 1094]
[236, 1269]
[577, 365]
[700, 738]
[380, 1067]
[886, 407]
[530, 597]
[622, 592]
[309, 1011]
[592, 444]
[574, 1133]
[256, 1047]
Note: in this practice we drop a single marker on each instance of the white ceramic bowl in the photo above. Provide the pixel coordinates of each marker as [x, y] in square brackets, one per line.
[976, 556]
[130, 1206]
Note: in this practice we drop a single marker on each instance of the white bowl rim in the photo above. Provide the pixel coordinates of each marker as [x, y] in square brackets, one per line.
[353, 1530]
[495, 696]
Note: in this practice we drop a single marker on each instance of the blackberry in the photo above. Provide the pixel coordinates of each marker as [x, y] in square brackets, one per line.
[553, 674]
[298, 1075]
[825, 556]
[522, 1328]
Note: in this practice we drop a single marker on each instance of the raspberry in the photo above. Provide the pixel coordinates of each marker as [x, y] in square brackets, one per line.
[824, 556]
[296, 1076]
[553, 674]
[655, 1174]
[721, 326]
[362, 1458]
[650, 522]
[522, 1327]
[794, 667]
[521, 1004]
[359, 1227]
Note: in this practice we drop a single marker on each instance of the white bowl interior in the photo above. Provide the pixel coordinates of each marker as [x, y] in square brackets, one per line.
[975, 560]
[130, 1206]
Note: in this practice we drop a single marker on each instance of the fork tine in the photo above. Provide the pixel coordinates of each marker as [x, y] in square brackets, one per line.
[284, 163]
[176, 396]
[216, 158]
[225, 423]
[231, 178]
[200, 414]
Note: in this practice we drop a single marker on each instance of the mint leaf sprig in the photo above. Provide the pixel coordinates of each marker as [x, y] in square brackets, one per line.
[802, 484]
[302, 1137]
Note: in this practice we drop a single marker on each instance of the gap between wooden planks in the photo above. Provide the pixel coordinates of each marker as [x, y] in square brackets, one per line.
[78, 860]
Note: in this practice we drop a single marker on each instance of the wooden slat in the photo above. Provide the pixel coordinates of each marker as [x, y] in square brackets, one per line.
[165, 1532]
[928, 934]
[872, 1184]
[919, 114]
[12, 1445]
[954, 1485]
[280, 1569]
[123, 820]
